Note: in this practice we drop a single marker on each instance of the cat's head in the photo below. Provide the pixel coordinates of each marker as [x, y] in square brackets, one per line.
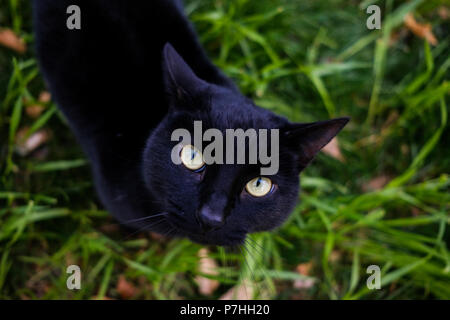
[221, 203]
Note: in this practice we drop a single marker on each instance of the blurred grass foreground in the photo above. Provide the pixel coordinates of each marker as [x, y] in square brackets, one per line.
[378, 195]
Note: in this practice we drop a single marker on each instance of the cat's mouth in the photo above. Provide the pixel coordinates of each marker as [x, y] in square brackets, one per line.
[219, 237]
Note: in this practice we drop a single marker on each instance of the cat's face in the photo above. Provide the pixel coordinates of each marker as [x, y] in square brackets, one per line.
[221, 203]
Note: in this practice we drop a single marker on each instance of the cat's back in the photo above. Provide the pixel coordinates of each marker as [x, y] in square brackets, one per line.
[108, 73]
[115, 55]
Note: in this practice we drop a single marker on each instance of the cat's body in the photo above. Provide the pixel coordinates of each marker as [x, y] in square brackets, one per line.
[107, 79]
[123, 91]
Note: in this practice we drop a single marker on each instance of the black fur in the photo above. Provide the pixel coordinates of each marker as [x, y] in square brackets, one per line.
[124, 89]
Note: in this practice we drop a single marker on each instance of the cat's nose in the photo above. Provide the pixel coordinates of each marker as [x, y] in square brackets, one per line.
[210, 219]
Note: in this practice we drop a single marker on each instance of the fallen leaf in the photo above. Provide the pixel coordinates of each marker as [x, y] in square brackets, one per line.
[125, 289]
[335, 256]
[332, 149]
[241, 291]
[45, 97]
[38, 283]
[376, 183]
[396, 36]
[10, 40]
[25, 145]
[304, 269]
[110, 228]
[209, 266]
[304, 283]
[70, 259]
[34, 110]
[444, 12]
[422, 30]
[156, 236]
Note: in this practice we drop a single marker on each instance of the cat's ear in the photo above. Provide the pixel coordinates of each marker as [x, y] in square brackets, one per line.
[179, 79]
[309, 138]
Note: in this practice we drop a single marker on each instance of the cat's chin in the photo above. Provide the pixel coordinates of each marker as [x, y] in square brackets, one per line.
[217, 241]
[219, 237]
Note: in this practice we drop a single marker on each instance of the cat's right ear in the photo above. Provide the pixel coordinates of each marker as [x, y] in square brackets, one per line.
[179, 79]
[309, 138]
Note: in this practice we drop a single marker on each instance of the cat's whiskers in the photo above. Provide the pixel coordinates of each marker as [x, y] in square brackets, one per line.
[167, 233]
[248, 266]
[143, 228]
[146, 217]
[256, 283]
[225, 262]
[254, 244]
[252, 254]
[134, 220]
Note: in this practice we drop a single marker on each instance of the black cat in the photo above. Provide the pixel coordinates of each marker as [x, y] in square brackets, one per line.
[126, 80]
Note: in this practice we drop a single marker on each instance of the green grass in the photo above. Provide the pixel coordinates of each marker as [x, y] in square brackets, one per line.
[307, 60]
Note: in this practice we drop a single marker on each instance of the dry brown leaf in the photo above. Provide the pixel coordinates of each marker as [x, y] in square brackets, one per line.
[45, 97]
[421, 30]
[25, 145]
[34, 111]
[241, 291]
[70, 259]
[125, 289]
[38, 284]
[209, 266]
[158, 237]
[332, 149]
[10, 40]
[376, 183]
[109, 228]
[397, 36]
[304, 283]
[304, 269]
[335, 256]
[444, 12]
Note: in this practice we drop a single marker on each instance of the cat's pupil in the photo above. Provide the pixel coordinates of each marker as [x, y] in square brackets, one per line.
[258, 182]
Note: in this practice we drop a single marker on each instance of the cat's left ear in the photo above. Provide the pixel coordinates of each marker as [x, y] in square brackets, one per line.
[179, 79]
[309, 138]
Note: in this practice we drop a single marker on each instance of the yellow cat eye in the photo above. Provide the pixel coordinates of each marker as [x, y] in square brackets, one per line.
[259, 186]
[191, 157]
